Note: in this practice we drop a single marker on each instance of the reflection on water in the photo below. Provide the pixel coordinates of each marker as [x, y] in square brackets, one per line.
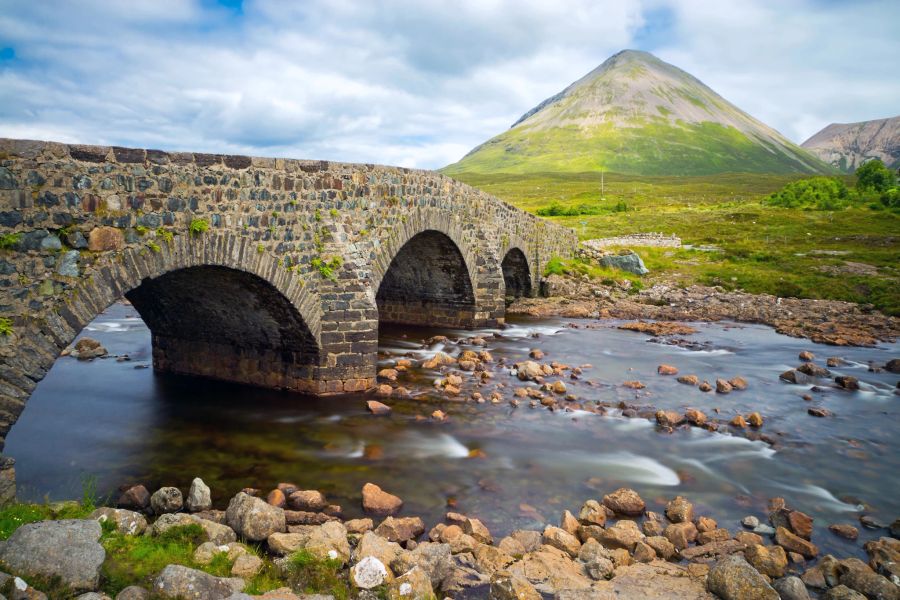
[513, 467]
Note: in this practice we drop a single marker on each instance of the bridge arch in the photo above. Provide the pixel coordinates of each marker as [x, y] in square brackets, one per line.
[517, 279]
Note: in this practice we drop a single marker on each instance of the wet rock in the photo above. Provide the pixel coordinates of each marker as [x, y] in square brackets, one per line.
[199, 497]
[847, 382]
[669, 418]
[666, 370]
[662, 546]
[695, 417]
[738, 421]
[755, 419]
[378, 502]
[842, 592]
[818, 411]
[370, 572]
[688, 379]
[858, 576]
[592, 513]
[705, 524]
[892, 366]
[529, 371]
[176, 581]
[705, 387]
[750, 522]
[738, 383]
[254, 519]
[506, 586]
[679, 510]
[634, 385]
[681, 534]
[795, 377]
[794, 543]
[794, 520]
[378, 408]
[490, 559]
[561, 539]
[458, 540]
[166, 500]
[127, 522]
[135, 498]
[400, 529]
[67, 549]
[806, 355]
[768, 560]
[870, 522]
[723, 387]
[87, 348]
[715, 535]
[814, 370]
[307, 500]
[471, 526]
[732, 578]
[791, 588]
[435, 559]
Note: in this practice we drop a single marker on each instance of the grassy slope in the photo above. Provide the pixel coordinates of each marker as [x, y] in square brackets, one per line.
[651, 148]
[764, 250]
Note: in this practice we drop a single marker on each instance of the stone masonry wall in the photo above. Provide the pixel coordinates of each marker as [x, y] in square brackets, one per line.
[81, 226]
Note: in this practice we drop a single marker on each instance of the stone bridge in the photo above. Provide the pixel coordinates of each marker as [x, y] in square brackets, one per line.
[266, 271]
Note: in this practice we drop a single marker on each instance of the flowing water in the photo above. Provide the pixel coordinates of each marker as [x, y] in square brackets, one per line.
[515, 467]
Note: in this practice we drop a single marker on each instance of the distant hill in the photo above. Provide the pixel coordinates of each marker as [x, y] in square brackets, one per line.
[848, 145]
[636, 114]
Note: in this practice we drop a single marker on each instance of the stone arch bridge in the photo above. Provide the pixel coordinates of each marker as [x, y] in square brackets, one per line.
[265, 271]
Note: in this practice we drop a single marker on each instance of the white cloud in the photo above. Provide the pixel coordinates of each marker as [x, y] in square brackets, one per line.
[409, 82]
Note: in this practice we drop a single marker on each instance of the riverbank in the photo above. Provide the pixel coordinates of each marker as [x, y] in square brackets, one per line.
[832, 322]
[290, 542]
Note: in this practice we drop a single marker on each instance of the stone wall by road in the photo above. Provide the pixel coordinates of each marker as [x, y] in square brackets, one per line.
[281, 286]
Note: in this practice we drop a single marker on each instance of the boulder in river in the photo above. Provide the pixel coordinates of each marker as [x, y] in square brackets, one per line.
[87, 348]
[378, 502]
[67, 549]
[625, 501]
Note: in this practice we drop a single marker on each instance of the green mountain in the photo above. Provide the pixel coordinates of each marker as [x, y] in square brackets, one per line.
[636, 114]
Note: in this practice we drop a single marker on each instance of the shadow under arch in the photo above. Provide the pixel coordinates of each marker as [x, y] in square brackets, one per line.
[516, 274]
[427, 282]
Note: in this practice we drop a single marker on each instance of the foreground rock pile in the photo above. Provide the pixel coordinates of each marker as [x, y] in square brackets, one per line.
[613, 547]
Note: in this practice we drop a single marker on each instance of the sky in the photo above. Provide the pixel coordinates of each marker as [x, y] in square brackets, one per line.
[415, 83]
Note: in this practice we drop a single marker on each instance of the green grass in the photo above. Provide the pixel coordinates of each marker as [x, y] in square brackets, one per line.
[5, 326]
[198, 226]
[764, 249]
[311, 574]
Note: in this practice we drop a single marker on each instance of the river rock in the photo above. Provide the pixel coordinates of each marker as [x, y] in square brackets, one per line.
[597, 562]
[768, 560]
[842, 592]
[307, 500]
[723, 386]
[472, 526]
[669, 418]
[127, 522]
[625, 501]
[679, 510]
[276, 498]
[87, 348]
[369, 572]
[662, 546]
[199, 497]
[847, 382]
[794, 543]
[688, 379]
[846, 531]
[681, 534]
[247, 566]
[490, 559]
[254, 519]
[379, 408]
[166, 500]
[529, 371]
[695, 417]
[378, 502]
[506, 586]
[798, 522]
[858, 576]
[667, 370]
[551, 570]
[794, 376]
[375, 545]
[177, 582]
[738, 383]
[732, 578]
[67, 549]
[813, 370]
[433, 558]
[791, 588]
[135, 498]
[884, 557]
[592, 513]
[400, 529]
[561, 539]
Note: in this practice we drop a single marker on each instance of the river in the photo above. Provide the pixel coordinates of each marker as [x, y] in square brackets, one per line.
[118, 422]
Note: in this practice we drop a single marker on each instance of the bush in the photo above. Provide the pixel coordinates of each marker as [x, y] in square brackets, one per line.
[817, 193]
[874, 176]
